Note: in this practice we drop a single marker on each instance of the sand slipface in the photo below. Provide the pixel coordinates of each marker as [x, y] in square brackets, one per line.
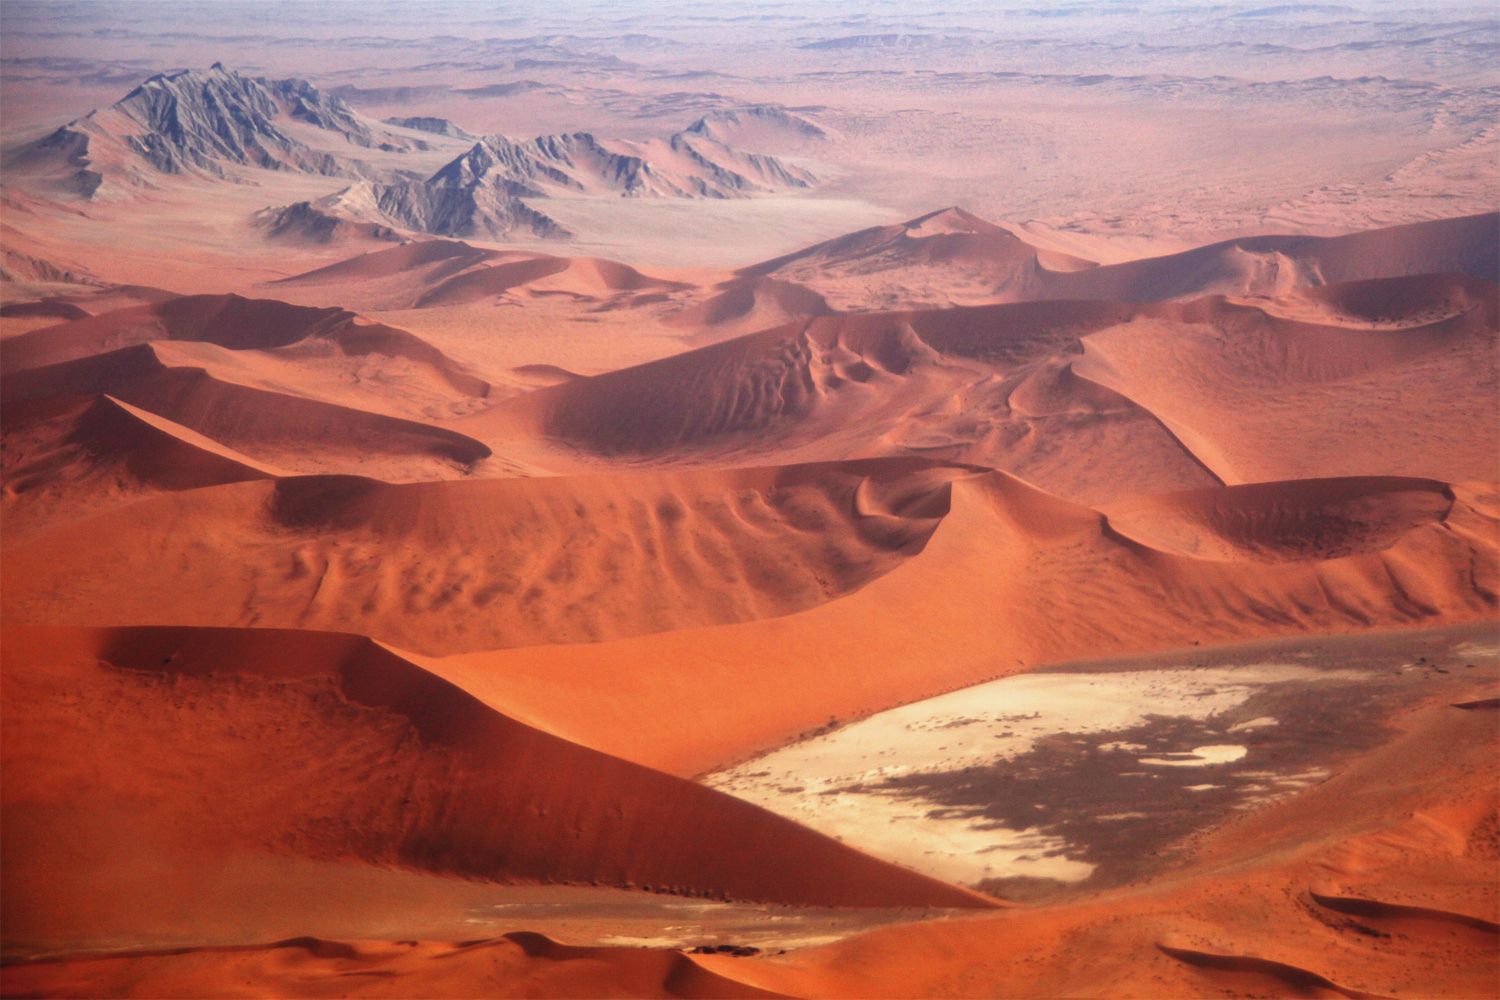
[606, 509]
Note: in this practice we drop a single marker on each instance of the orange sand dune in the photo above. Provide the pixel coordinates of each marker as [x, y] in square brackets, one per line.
[51, 308]
[1274, 522]
[1257, 396]
[265, 743]
[67, 458]
[745, 305]
[293, 432]
[444, 567]
[231, 322]
[986, 386]
[449, 272]
[953, 258]
[1011, 579]
[948, 257]
[1381, 881]
[522, 963]
[1090, 399]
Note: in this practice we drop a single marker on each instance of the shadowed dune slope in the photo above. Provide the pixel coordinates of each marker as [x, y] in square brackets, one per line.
[527, 963]
[1288, 901]
[434, 273]
[333, 747]
[952, 257]
[232, 322]
[745, 305]
[1275, 265]
[1257, 396]
[1011, 579]
[1093, 400]
[297, 433]
[67, 458]
[480, 564]
[986, 386]
[1274, 522]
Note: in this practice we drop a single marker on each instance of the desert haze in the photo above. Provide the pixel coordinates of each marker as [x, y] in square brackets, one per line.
[663, 499]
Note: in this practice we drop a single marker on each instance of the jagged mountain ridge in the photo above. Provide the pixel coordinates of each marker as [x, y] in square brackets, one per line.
[191, 122]
[480, 192]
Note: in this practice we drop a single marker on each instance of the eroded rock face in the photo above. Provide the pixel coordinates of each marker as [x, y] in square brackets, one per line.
[207, 122]
[480, 192]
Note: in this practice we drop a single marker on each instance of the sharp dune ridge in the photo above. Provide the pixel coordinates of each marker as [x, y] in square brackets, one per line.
[1023, 368]
[235, 323]
[1063, 584]
[482, 564]
[523, 958]
[268, 425]
[986, 262]
[473, 765]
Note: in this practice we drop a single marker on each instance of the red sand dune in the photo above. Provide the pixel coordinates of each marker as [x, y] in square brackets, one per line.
[294, 432]
[44, 307]
[1295, 899]
[332, 747]
[443, 567]
[1274, 522]
[68, 457]
[521, 964]
[1275, 265]
[232, 322]
[1069, 394]
[943, 257]
[952, 257]
[1257, 396]
[449, 272]
[1011, 579]
[745, 305]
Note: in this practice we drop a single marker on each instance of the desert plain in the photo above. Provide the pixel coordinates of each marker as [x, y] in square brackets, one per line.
[841, 499]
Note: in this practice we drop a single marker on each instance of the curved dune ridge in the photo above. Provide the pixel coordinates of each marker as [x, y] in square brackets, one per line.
[745, 305]
[71, 457]
[1258, 397]
[1059, 392]
[755, 383]
[978, 261]
[1442, 764]
[1302, 519]
[432, 273]
[1055, 583]
[232, 322]
[443, 567]
[525, 961]
[294, 432]
[960, 253]
[1252, 971]
[581, 277]
[334, 747]
[1401, 913]
[52, 308]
